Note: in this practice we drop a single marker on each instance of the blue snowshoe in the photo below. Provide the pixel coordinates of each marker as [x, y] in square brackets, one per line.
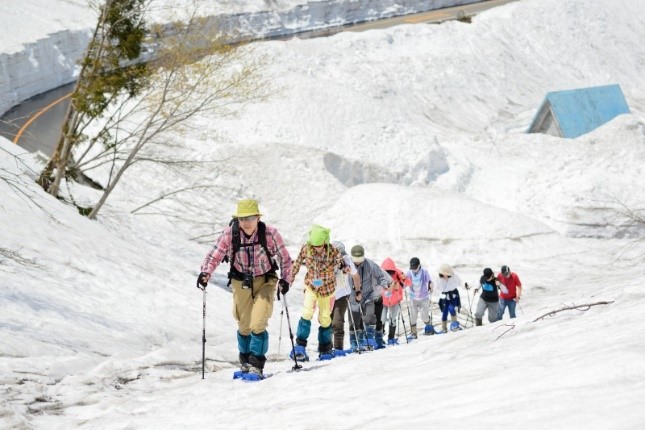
[428, 330]
[393, 341]
[253, 374]
[323, 356]
[454, 326]
[300, 352]
[341, 352]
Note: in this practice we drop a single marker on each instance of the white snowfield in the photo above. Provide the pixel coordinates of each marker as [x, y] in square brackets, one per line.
[409, 141]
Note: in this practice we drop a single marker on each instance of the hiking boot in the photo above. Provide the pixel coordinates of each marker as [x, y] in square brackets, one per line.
[254, 374]
[413, 330]
[379, 339]
[444, 326]
[244, 362]
[478, 321]
[391, 333]
[256, 370]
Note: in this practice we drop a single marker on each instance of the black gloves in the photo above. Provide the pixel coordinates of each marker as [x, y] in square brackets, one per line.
[283, 286]
[202, 279]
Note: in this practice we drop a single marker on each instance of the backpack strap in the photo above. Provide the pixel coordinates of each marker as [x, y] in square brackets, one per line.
[237, 244]
[262, 236]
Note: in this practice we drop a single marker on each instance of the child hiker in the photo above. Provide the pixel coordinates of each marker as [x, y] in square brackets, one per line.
[392, 297]
[321, 260]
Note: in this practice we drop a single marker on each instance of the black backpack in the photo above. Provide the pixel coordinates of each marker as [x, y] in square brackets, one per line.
[237, 244]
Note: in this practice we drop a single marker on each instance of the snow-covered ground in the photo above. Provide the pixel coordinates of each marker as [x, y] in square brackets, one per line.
[407, 140]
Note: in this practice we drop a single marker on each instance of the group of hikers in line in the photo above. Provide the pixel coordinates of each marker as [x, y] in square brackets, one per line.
[336, 282]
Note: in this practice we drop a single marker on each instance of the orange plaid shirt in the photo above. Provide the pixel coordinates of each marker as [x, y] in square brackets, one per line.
[319, 266]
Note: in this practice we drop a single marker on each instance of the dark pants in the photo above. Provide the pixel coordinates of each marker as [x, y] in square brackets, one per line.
[338, 321]
[368, 314]
[378, 310]
[449, 303]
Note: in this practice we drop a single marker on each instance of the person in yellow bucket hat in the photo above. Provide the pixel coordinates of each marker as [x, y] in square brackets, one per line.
[321, 259]
[251, 247]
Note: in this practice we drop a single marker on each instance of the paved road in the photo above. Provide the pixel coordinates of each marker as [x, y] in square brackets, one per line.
[35, 124]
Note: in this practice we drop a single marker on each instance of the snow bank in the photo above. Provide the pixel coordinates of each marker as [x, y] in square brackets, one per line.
[44, 56]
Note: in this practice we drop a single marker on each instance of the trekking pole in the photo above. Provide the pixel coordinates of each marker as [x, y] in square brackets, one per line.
[351, 316]
[470, 305]
[408, 306]
[296, 366]
[203, 329]
[518, 303]
[280, 337]
[360, 308]
[405, 330]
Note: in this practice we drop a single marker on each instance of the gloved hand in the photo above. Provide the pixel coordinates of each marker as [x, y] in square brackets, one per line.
[202, 279]
[283, 286]
[467, 286]
[358, 296]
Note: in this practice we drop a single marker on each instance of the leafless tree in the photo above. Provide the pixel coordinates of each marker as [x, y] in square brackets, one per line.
[191, 73]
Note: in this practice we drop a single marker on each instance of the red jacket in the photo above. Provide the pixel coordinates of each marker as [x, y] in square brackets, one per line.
[394, 295]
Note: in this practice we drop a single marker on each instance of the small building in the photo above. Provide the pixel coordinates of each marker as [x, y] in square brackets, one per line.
[572, 113]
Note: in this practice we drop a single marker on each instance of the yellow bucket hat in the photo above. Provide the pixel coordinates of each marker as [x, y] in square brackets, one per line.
[247, 208]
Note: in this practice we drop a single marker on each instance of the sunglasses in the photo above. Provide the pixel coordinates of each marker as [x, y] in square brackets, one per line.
[441, 275]
[248, 218]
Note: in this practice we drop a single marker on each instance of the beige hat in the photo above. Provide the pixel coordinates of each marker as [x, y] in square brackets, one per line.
[446, 270]
[247, 208]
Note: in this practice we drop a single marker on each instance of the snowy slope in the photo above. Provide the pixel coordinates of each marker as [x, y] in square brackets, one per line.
[100, 322]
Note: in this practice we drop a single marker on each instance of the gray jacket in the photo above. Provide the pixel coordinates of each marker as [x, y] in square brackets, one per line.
[373, 281]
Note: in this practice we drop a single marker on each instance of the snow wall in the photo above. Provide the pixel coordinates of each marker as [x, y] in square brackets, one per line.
[52, 61]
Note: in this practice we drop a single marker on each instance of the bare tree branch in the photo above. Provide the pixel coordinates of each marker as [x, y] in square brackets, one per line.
[583, 308]
[172, 193]
[510, 327]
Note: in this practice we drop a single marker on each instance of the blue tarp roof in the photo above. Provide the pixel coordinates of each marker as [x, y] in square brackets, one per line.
[582, 110]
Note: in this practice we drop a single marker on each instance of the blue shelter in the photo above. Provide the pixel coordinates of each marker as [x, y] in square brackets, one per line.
[573, 113]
